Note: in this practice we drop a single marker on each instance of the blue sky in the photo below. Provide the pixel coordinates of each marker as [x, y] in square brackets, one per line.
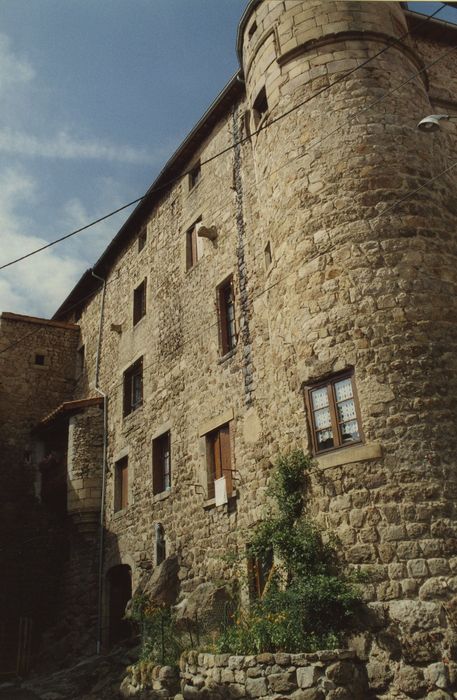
[96, 95]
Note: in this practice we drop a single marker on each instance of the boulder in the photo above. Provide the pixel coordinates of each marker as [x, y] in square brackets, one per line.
[206, 607]
[163, 586]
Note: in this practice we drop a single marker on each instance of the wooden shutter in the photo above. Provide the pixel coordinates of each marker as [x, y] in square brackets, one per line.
[226, 460]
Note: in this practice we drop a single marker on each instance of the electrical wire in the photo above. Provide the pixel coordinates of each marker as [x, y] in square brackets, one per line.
[268, 124]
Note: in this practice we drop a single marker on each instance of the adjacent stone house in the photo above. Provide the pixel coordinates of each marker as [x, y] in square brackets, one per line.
[286, 282]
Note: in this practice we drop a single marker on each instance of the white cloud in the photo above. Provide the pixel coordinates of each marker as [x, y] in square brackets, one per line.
[38, 285]
[65, 146]
[13, 70]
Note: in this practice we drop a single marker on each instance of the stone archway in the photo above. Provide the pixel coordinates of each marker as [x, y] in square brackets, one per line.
[119, 589]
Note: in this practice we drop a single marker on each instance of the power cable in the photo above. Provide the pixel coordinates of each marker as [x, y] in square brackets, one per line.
[263, 127]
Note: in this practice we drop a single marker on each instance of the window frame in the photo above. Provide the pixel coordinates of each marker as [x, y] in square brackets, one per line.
[228, 336]
[139, 302]
[159, 471]
[194, 251]
[129, 404]
[121, 484]
[219, 458]
[329, 384]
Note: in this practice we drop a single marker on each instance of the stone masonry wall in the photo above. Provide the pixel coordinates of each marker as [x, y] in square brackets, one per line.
[358, 278]
[325, 675]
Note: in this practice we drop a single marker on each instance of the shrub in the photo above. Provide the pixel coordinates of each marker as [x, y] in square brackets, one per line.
[308, 601]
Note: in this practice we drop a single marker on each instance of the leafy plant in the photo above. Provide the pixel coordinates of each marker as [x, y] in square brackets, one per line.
[308, 600]
[159, 640]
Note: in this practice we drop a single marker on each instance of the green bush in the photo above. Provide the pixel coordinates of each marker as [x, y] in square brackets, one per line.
[308, 601]
[160, 641]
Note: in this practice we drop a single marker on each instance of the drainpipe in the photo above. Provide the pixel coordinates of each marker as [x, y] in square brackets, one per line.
[104, 464]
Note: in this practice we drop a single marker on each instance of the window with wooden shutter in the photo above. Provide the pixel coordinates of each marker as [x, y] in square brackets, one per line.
[121, 484]
[226, 312]
[133, 387]
[219, 458]
[161, 464]
[333, 412]
[139, 302]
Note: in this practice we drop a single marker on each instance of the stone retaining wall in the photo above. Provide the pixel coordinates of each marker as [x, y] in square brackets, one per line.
[324, 675]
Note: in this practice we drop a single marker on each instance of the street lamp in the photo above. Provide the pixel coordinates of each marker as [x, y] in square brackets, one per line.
[432, 122]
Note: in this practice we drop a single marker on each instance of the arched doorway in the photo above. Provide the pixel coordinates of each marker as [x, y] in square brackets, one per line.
[119, 580]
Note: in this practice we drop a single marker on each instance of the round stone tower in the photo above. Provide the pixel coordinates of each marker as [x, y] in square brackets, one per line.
[363, 283]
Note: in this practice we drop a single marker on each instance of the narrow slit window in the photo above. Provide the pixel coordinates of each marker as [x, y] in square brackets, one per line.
[195, 175]
[194, 249]
[139, 302]
[161, 464]
[252, 30]
[226, 309]
[133, 387]
[268, 257]
[121, 484]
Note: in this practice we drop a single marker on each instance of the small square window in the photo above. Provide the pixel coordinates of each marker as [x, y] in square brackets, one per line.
[142, 238]
[260, 107]
[133, 387]
[218, 458]
[226, 311]
[334, 413]
[121, 484]
[195, 175]
[139, 302]
[39, 359]
[161, 464]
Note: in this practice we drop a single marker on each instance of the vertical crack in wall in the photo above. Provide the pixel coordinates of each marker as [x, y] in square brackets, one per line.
[248, 372]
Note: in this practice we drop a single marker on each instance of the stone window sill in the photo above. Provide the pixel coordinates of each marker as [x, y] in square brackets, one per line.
[162, 496]
[119, 514]
[227, 356]
[211, 502]
[347, 455]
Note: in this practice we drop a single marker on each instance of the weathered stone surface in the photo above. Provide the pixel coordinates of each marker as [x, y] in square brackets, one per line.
[341, 672]
[282, 682]
[205, 605]
[411, 681]
[256, 687]
[358, 277]
[307, 676]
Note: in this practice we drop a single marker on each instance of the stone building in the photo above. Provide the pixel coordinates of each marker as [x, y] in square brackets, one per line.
[287, 281]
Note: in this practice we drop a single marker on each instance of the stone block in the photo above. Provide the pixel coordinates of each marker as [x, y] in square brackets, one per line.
[282, 682]
[307, 676]
[341, 672]
[256, 687]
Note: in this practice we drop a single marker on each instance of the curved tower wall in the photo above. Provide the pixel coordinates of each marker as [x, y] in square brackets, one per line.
[350, 287]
